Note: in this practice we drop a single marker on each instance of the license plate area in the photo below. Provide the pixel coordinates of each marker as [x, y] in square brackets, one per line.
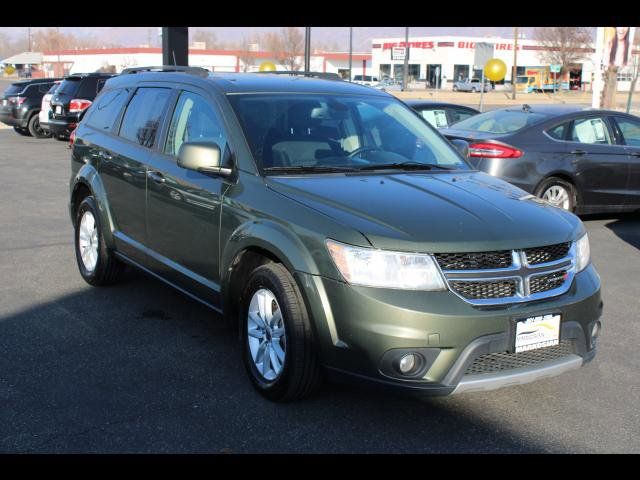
[58, 110]
[535, 332]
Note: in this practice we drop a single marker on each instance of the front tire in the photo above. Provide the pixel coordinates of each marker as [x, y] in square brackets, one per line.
[278, 348]
[455, 89]
[559, 193]
[97, 264]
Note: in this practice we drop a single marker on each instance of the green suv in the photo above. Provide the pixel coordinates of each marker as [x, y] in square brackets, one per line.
[341, 234]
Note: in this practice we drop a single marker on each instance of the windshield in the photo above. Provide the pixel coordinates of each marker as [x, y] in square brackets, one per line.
[323, 131]
[69, 86]
[500, 121]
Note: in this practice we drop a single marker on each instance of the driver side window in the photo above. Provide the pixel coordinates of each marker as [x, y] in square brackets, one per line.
[194, 119]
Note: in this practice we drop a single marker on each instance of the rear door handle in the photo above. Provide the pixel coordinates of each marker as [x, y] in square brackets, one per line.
[156, 176]
[578, 152]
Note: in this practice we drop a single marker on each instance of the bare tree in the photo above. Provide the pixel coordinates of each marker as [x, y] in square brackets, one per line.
[209, 38]
[52, 39]
[286, 46]
[247, 55]
[564, 46]
[635, 68]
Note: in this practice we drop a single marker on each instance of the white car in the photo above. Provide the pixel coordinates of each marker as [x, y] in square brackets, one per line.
[45, 107]
[367, 80]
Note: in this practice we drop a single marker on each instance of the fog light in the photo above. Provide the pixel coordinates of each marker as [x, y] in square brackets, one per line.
[407, 363]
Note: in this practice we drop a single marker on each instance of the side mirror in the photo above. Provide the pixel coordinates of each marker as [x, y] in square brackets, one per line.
[462, 146]
[203, 157]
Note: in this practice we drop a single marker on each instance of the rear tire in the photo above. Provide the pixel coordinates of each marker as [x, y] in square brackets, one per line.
[22, 131]
[558, 192]
[455, 89]
[34, 127]
[295, 373]
[99, 266]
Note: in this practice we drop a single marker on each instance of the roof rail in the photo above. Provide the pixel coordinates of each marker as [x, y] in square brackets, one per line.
[325, 75]
[198, 71]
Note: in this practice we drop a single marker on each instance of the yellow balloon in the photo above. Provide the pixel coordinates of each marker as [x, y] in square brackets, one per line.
[495, 70]
[267, 67]
[9, 70]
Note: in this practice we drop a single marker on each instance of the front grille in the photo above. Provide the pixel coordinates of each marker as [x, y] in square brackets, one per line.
[474, 261]
[542, 283]
[497, 362]
[485, 289]
[546, 254]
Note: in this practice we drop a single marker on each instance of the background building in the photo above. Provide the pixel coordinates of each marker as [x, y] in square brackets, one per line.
[440, 60]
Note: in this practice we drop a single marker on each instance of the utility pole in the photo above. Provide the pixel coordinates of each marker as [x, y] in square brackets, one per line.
[350, 51]
[405, 68]
[307, 48]
[514, 70]
[29, 37]
[634, 79]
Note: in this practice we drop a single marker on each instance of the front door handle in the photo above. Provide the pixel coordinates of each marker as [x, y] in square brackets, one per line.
[635, 154]
[578, 152]
[156, 176]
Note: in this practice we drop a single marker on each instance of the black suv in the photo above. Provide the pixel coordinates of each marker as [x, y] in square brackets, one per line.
[73, 97]
[20, 105]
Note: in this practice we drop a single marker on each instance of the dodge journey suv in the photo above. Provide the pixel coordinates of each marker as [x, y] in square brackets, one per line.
[341, 234]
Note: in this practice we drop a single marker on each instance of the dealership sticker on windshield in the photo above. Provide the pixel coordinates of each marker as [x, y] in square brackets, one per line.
[537, 332]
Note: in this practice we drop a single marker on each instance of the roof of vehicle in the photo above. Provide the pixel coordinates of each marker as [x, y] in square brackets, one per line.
[414, 102]
[234, 83]
[556, 110]
[89, 74]
[35, 80]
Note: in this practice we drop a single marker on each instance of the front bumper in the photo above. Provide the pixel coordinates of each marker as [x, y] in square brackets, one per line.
[360, 327]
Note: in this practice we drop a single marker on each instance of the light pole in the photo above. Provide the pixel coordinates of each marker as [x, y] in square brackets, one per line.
[405, 68]
[514, 70]
[307, 48]
[350, 51]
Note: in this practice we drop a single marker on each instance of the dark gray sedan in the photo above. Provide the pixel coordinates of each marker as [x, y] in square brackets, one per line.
[580, 159]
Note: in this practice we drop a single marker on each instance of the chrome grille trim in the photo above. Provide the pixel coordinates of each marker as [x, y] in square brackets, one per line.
[520, 271]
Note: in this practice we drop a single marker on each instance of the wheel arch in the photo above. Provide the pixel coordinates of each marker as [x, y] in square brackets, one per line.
[88, 182]
[567, 177]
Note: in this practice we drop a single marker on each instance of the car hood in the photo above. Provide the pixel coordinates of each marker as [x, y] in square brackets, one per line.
[433, 212]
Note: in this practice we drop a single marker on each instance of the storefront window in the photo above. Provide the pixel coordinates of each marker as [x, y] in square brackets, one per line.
[460, 72]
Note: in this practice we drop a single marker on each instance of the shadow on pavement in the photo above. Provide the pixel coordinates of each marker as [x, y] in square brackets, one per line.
[140, 368]
[625, 226]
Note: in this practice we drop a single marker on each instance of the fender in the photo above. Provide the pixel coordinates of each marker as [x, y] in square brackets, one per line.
[89, 177]
[269, 236]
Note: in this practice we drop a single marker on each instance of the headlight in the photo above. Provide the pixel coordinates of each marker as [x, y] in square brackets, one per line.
[583, 253]
[381, 268]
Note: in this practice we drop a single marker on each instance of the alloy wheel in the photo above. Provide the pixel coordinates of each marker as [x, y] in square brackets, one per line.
[266, 334]
[557, 196]
[88, 241]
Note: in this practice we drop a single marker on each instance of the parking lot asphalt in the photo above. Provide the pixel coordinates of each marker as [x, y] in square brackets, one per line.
[138, 367]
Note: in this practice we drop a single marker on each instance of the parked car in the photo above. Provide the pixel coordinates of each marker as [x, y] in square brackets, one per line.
[580, 159]
[45, 107]
[365, 79]
[339, 232]
[21, 104]
[74, 95]
[441, 114]
[388, 85]
[471, 85]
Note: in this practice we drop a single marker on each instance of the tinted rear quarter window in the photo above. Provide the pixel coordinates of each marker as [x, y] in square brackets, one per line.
[69, 86]
[103, 114]
[89, 88]
[14, 89]
[559, 131]
[144, 114]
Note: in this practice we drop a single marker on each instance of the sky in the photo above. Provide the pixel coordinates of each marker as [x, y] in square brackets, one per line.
[134, 36]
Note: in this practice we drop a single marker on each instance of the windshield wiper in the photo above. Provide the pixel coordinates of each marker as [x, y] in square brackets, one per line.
[405, 166]
[311, 169]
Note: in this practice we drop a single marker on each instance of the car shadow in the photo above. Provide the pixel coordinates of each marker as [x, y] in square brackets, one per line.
[625, 226]
[138, 367]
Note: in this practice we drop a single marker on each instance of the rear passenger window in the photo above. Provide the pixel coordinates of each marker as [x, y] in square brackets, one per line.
[105, 111]
[144, 114]
[193, 120]
[458, 115]
[590, 130]
[630, 130]
[558, 132]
